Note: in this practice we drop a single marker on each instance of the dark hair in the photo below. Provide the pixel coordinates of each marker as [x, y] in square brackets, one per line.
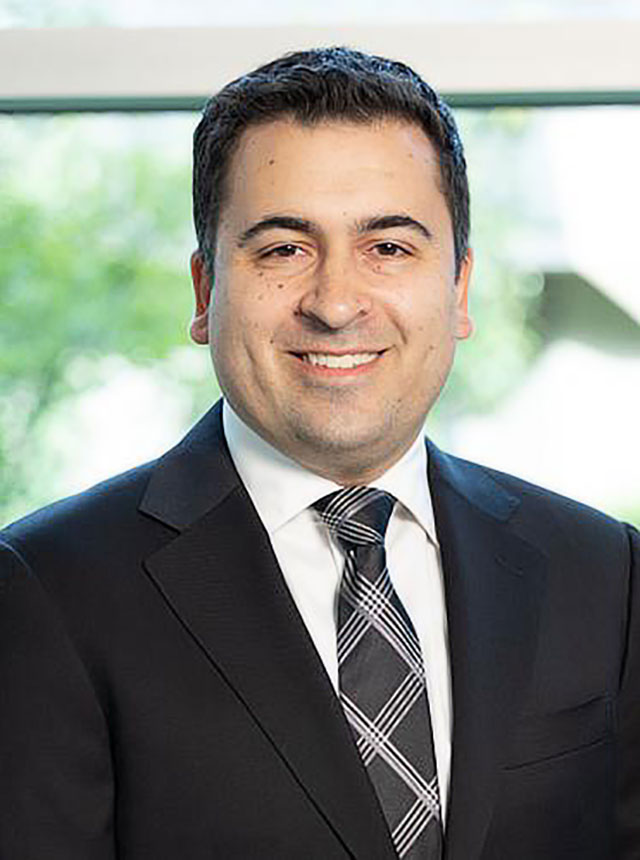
[311, 86]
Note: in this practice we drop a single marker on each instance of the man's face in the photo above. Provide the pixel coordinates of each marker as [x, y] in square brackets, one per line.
[335, 308]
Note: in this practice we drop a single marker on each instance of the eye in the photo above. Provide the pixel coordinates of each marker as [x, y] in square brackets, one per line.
[390, 249]
[287, 250]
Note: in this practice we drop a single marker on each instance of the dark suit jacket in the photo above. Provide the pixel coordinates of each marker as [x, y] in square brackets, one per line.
[161, 698]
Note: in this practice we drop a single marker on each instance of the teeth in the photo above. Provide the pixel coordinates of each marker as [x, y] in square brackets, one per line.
[352, 360]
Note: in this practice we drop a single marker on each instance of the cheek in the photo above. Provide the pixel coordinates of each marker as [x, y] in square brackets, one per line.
[243, 321]
[421, 316]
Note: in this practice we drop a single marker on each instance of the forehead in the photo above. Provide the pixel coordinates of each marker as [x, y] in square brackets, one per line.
[332, 163]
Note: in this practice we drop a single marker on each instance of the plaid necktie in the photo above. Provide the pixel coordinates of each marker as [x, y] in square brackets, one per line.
[382, 682]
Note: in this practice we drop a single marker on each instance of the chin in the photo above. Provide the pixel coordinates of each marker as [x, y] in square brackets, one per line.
[340, 436]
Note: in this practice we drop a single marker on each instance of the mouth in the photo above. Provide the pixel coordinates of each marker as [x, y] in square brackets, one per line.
[331, 362]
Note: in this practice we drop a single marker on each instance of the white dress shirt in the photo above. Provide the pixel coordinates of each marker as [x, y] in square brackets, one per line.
[312, 562]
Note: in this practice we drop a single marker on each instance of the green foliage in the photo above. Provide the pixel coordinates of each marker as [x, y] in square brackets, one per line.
[95, 235]
[502, 295]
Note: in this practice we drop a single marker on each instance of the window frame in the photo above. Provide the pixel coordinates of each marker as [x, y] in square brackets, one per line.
[479, 64]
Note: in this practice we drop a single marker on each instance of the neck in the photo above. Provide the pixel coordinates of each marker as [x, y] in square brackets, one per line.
[346, 470]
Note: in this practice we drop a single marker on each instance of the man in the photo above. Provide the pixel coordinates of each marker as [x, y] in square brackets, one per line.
[215, 655]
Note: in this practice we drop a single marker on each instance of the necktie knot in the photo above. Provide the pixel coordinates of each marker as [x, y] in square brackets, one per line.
[357, 516]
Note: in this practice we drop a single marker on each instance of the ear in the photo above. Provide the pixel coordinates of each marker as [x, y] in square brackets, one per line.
[463, 322]
[199, 328]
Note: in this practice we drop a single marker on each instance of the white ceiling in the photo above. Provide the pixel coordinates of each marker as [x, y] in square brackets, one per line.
[158, 13]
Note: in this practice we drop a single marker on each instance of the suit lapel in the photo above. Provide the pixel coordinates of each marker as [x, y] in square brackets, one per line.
[221, 578]
[493, 582]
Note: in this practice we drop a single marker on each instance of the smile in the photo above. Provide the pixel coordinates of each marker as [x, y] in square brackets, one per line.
[346, 361]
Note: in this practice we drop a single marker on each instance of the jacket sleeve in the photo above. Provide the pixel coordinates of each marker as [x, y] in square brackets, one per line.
[56, 785]
[628, 718]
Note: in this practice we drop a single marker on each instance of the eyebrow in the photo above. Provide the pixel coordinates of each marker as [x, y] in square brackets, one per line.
[386, 222]
[284, 222]
[303, 225]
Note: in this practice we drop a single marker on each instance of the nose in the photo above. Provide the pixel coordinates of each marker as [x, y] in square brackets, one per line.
[335, 296]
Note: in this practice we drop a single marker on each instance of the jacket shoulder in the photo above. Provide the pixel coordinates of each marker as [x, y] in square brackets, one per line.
[538, 509]
[84, 522]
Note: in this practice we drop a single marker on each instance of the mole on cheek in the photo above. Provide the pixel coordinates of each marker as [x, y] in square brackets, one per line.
[280, 286]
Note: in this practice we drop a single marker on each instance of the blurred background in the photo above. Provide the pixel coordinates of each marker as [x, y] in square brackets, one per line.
[96, 370]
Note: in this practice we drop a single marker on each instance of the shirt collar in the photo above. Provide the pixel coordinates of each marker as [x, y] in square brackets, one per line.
[280, 488]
